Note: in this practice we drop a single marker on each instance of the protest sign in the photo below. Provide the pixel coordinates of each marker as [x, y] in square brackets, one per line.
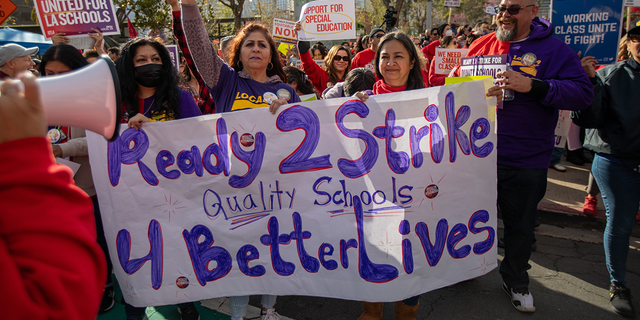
[447, 59]
[76, 18]
[491, 10]
[173, 53]
[284, 31]
[562, 128]
[328, 20]
[592, 28]
[483, 65]
[336, 198]
[632, 3]
[452, 3]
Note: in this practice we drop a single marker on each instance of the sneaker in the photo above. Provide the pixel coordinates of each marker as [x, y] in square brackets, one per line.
[189, 312]
[620, 297]
[270, 314]
[107, 300]
[590, 204]
[521, 299]
[559, 167]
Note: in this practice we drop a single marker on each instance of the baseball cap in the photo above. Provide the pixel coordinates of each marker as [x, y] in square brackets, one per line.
[11, 51]
[374, 31]
[634, 26]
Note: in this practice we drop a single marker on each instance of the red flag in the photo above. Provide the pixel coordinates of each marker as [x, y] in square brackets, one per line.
[132, 30]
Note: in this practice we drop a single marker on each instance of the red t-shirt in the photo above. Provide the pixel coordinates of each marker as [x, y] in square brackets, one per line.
[365, 59]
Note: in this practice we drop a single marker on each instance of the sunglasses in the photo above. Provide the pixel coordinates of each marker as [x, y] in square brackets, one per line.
[343, 58]
[379, 35]
[635, 38]
[513, 10]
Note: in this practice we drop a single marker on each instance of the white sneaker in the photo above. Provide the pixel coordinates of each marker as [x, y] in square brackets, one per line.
[270, 314]
[559, 167]
[522, 300]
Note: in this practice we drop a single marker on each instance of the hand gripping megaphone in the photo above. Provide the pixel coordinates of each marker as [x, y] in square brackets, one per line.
[87, 98]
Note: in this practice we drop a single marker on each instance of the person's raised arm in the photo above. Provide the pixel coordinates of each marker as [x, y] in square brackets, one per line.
[50, 259]
[205, 57]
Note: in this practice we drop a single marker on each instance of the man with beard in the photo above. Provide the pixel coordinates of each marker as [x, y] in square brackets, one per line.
[546, 76]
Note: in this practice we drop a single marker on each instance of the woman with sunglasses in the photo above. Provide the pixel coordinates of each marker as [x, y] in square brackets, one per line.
[336, 64]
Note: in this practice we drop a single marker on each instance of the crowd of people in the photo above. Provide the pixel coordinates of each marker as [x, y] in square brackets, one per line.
[76, 282]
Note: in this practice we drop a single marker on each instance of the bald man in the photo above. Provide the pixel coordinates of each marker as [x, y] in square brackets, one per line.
[546, 76]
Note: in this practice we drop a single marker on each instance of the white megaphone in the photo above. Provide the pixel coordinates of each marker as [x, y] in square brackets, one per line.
[87, 98]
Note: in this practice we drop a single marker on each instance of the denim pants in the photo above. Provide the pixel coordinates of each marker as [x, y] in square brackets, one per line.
[556, 155]
[620, 188]
[519, 191]
[239, 305]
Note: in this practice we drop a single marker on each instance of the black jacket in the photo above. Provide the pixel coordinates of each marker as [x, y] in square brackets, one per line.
[615, 113]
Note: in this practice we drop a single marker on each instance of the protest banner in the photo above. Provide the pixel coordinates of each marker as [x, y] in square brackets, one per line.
[284, 31]
[592, 28]
[452, 3]
[447, 59]
[173, 53]
[328, 20]
[335, 198]
[76, 18]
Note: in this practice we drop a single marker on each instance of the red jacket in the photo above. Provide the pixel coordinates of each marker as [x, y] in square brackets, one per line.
[430, 50]
[52, 266]
[316, 74]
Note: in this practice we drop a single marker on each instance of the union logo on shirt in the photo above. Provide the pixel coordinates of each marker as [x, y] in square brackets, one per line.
[527, 63]
[245, 101]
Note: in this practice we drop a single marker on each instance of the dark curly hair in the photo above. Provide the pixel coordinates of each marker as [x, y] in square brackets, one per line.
[300, 78]
[415, 80]
[167, 94]
[238, 41]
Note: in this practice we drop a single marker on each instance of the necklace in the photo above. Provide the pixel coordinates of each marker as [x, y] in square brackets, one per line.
[148, 108]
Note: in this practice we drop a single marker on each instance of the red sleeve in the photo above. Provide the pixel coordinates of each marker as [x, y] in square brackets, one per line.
[317, 75]
[52, 266]
[435, 79]
[355, 63]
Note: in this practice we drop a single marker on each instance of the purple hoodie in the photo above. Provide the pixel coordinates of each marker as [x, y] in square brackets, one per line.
[526, 124]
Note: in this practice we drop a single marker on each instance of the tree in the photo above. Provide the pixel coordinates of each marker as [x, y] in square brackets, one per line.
[236, 7]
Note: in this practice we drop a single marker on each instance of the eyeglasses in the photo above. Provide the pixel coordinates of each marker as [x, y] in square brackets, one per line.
[513, 10]
[635, 38]
[343, 58]
[379, 35]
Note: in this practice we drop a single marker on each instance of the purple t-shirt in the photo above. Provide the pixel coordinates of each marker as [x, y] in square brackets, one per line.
[187, 108]
[233, 92]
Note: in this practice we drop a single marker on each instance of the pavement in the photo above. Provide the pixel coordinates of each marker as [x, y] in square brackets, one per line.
[569, 278]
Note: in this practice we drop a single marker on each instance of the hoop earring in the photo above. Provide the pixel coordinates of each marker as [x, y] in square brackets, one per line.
[271, 65]
[239, 64]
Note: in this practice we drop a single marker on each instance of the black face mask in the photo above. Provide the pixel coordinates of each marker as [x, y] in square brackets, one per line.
[149, 75]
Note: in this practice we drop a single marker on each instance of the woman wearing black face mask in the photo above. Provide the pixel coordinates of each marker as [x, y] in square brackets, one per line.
[149, 87]
[150, 92]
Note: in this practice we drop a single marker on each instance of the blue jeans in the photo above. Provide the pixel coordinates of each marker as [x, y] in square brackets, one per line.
[556, 155]
[620, 188]
[519, 191]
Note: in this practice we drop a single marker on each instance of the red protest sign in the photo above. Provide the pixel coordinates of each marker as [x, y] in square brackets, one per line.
[7, 8]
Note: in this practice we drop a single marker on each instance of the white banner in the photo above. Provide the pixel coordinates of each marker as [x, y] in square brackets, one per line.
[335, 198]
[328, 20]
[447, 59]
